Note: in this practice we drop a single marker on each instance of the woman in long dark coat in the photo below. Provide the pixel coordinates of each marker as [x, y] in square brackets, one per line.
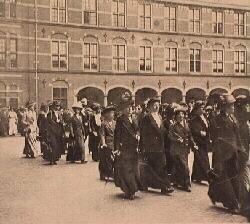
[125, 145]
[42, 125]
[106, 163]
[200, 131]
[181, 142]
[55, 133]
[77, 152]
[229, 159]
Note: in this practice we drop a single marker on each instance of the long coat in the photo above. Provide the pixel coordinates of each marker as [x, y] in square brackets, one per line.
[229, 160]
[126, 164]
[55, 135]
[152, 136]
[201, 164]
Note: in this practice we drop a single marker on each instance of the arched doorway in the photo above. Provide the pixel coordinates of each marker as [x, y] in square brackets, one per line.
[143, 94]
[92, 94]
[115, 95]
[240, 91]
[218, 91]
[171, 95]
[195, 94]
[214, 95]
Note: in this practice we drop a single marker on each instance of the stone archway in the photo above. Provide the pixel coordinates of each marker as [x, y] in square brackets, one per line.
[214, 94]
[92, 94]
[171, 95]
[115, 95]
[195, 94]
[241, 91]
[143, 94]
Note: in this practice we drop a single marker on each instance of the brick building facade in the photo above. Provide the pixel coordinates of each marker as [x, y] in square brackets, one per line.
[177, 50]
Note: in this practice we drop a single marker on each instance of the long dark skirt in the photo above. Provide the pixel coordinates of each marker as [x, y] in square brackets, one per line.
[106, 164]
[153, 172]
[126, 174]
[94, 143]
[76, 150]
[225, 188]
[245, 191]
[56, 148]
[180, 175]
[201, 166]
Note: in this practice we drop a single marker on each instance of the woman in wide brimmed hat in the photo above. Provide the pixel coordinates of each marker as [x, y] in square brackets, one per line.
[77, 151]
[106, 163]
[30, 122]
[229, 159]
[125, 146]
[200, 130]
[181, 142]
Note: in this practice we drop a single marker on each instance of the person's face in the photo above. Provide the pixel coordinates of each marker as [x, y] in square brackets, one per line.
[32, 108]
[57, 108]
[201, 110]
[180, 117]
[230, 109]
[110, 115]
[127, 111]
[155, 107]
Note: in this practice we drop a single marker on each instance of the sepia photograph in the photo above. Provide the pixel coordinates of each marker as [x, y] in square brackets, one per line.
[124, 111]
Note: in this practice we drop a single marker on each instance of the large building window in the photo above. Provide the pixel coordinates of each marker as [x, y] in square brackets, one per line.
[239, 24]
[195, 60]
[170, 18]
[145, 16]
[90, 12]
[2, 8]
[218, 61]
[119, 13]
[3, 95]
[171, 59]
[90, 56]
[217, 17]
[119, 57]
[146, 58]
[240, 61]
[61, 94]
[58, 11]
[2, 52]
[12, 8]
[13, 52]
[195, 20]
[59, 54]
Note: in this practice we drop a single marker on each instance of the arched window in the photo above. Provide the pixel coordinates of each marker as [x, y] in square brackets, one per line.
[171, 57]
[60, 92]
[3, 97]
[119, 54]
[240, 60]
[90, 57]
[146, 56]
[218, 59]
[2, 50]
[195, 57]
[59, 51]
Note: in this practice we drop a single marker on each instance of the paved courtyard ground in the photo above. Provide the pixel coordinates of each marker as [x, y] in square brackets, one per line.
[32, 192]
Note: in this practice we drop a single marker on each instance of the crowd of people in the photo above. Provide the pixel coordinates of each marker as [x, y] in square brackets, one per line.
[148, 146]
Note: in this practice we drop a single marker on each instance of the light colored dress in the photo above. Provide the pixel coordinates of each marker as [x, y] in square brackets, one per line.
[12, 123]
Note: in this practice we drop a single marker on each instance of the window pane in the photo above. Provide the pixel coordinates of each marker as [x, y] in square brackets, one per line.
[192, 66]
[198, 66]
[172, 13]
[62, 3]
[147, 10]
[142, 65]
[167, 65]
[54, 3]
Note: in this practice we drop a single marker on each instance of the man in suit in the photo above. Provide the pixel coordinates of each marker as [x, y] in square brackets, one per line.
[152, 143]
[200, 131]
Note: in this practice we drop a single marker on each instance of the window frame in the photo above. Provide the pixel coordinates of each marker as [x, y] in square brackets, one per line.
[118, 58]
[238, 62]
[167, 20]
[216, 22]
[90, 12]
[13, 53]
[3, 2]
[169, 60]
[67, 55]
[60, 98]
[12, 3]
[218, 62]
[238, 24]
[193, 21]
[145, 59]
[4, 52]
[58, 12]
[117, 14]
[194, 60]
[144, 17]
[90, 57]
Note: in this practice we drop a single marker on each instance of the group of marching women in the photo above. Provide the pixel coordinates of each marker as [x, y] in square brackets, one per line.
[148, 146]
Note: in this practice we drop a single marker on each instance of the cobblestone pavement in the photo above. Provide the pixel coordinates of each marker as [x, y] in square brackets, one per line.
[32, 192]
